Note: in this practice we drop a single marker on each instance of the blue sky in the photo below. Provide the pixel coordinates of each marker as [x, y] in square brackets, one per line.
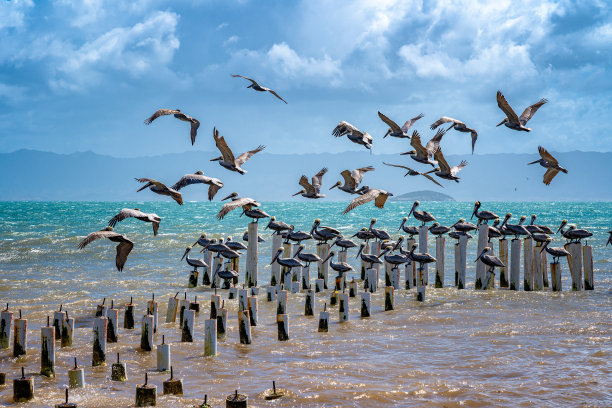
[83, 75]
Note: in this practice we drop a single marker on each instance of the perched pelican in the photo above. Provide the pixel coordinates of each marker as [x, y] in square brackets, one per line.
[227, 159]
[422, 216]
[411, 172]
[445, 171]
[312, 190]
[214, 184]
[459, 234]
[345, 244]
[203, 241]
[297, 236]
[287, 262]
[254, 213]
[259, 88]
[368, 258]
[245, 237]
[379, 197]
[277, 226]
[518, 229]
[325, 233]
[419, 257]
[379, 234]
[411, 230]
[511, 120]
[438, 229]
[244, 202]
[550, 163]
[340, 267]
[573, 233]
[123, 249]
[195, 262]
[540, 237]
[217, 247]
[396, 131]
[482, 215]
[227, 275]
[354, 135]
[464, 226]
[458, 126]
[235, 245]
[421, 154]
[352, 179]
[494, 232]
[556, 252]
[154, 219]
[160, 188]
[195, 124]
[491, 261]
[364, 234]
[544, 228]
[307, 257]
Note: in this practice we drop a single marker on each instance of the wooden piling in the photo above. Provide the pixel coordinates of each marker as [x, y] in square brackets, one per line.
[112, 316]
[587, 262]
[193, 278]
[309, 303]
[287, 281]
[515, 264]
[528, 264]
[387, 268]
[128, 318]
[252, 256]
[152, 309]
[281, 302]
[164, 355]
[323, 270]
[23, 388]
[172, 385]
[389, 298]
[364, 264]
[58, 320]
[101, 308]
[233, 293]
[503, 256]
[215, 304]
[252, 308]
[409, 243]
[20, 336]
[462, 271]
[489, 282]
[536, 268]
[236, 400]
[575, 264]
[365, 304]
[146, 394]
[333, 297]
[146, 335]
[118, 370]
[352, 286]
[66, 404]
[242, 299]
[207, 270]
[215, 280]
[6, 324]
[67, 331]
[188, 325]
[210, 337]
[172, 309]
[324, 320]
[275, 268]
[343, 307]
[440, 244]
[555, 276]
[244, 327]
[408, 275]
[423, 247]
[270, 293]
[372, 280]
[544, 263]
[457, 256]
[182, 306]
[195, 305]
[319, 285]
[47, 350]
[306, 277]
[483, 241]
[99, 341]
[375, 250]
[76, 376]
[420, 293]
[282, 324]
[221, 322]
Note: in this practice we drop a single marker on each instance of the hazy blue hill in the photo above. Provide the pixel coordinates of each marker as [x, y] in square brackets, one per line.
[423, 195]
[36, 175]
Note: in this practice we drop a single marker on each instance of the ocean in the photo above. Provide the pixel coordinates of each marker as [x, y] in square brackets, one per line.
[458, 348]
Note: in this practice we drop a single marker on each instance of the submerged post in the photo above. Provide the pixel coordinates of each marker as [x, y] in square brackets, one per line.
[309, 303]
[587, 258]
[389, 298]
[99, 341]
[112, 316]
[20, 336]
[210, 337]
[440, 244]
[324, 320]
[483, 240]
[515, 264]
[164, 356]
[188, 324]
[6, 323]
[528, 264]
[282, 324]
[462, 272]
[343, 307]
[366, 297]
[67, 331]
[23, 388]
[503, 256]
[252, 257]
[118, 370]
[146, 394]
[128, 318]
[244, 327]
[76, 376]
[146, 335]
[47, 350]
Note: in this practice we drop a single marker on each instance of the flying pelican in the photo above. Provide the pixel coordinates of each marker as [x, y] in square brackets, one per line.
[195, 124]
[160, 188]
[259, 88]
[396, 131]
[445, 171]
[458, 126]
[379, 197]
[544, 228]
[227, 159]
[491, 261]
[408, 229]
[352, 179]
[244, 202]
[277, 226]
[511, 120]
[312, 190]
[482, 215]
[411, 172]
[422, 216]
[154, 219]
[556, 252]
[325, 233]
[123, 249]
[214, 184]
[573, 233]
[421, 154]
[195, 262]
[354, 135]
[550, 163]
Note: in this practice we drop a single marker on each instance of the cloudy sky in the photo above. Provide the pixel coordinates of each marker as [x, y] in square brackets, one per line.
[83, 75]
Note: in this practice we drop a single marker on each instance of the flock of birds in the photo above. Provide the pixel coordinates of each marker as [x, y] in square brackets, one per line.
[429, 154]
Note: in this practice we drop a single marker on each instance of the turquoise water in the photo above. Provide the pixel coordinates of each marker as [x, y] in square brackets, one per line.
[469, 348]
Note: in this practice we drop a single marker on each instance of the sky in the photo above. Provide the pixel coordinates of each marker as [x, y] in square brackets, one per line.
[83, 75]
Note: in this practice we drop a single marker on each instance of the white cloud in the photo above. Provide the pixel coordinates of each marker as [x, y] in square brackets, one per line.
[11, 93]
[288, 63]
[12, 13]
[231, 40]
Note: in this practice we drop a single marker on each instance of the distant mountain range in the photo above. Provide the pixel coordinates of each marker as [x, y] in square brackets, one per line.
[424, 195]
[36, 175]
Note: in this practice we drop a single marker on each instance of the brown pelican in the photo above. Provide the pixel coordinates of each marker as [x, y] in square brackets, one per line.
[379, 234]
[556, 252]
[422, 216]
[123, 249]
[490, 260]
[154, 219]
[459, 234]
[195, 262]
[409, 229]
[352, 179]
[235, 245]
[227, 159]
[245, 237]
[287, 262]
[511, 120]
[344, 243]
[308, 257]
[324, 233]
[340, 267]
[203, 241]
[396, 131]
[160, 188]
[543, 228]
[540, 237]
[312, 190]
[419, 257]
[379, 197]
[258, 87]
[438, 229]
[518, 229]
[364, 234]
[214, 184]
[277, 226]
[368, 258]
[421, 154]
[550, 163]
[195, 124]
[445, 171]
[482, 215]
[254, 213]
[297, 236]
[244, 202]
[573, 233]
[494, 232]
[458, 126]
[411, 172]
[354, 135]
[464, 226]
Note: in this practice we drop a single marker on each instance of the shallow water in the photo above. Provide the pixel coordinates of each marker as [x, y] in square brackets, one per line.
[468, 348]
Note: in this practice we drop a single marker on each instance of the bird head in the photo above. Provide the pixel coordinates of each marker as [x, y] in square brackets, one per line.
[203, 235]
[476, 207]
[137, 209]
[186, 252]
[415, 205]
[233, 195]
[435, 224]
[502, 122]
[548, 241]
[108, 229]
[299, 192]
[276, 255]
[410, 152]
[338, 184]
[484, 251]
[199, 172]
[360, 250]
[403, 222]
[563, 224]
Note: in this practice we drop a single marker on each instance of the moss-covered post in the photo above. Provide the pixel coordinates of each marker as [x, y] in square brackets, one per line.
[221, 321]
[182, 306]
[281, 302]
[371, 280]
[112, 316]
[483, 241]
[270, 293]
[128, 317]
[187, 328]
[164, 355]
[99, 341]
[395, 277]
[489, 282]
[66, 404]
[207, 270]
[67, 331]
[389, 298]
[515, 264]
[152, 309]
[555, 276]
[20, 336]
[324, 320]
[172, 309]
[352, 287]
[76, 376]
[242, 299]
[47, 350]
[146, 394]
[319, 285]
[118, 370]
[333, 298]
[252, 307]
[365, 304]
[408, 275]
[457, 256]
[309, 303]
[210, 337]
[287, 282]
[275, 268]
[6, 324]
[195, 305]
[503, 256]
[409, 243]
[23, 388]
[215, 304]
[306, 276]
[587, 258]
[440, 246]
[528, 264]
[58, 319]
[101, 308]
[282, 325]
[252, 256]
[343, 307]
[146, 334]
[173, 386]
[244, 327]
[236, 400]
[544, 263]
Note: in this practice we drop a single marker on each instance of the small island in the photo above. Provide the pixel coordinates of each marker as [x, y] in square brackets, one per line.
[423, 195]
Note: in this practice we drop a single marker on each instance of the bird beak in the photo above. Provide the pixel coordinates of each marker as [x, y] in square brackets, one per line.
[299, 192]
[335, 185]
[184, 255]
[501, 123]
[431, 171]
[534, 162]
[401, 225]
[388, 131]
[229, 196]
[217, 158]
[410, 213]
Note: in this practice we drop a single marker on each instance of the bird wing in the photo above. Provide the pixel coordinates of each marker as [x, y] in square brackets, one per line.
[349, 181]
[189, 179]
[416, 143]
[176, 196]
[247, 78]
[213, 188]
[506, 108]
[444, 119]
[547, 156]
[408, 124]
[362, 199]
[381, 199]
[195, 124]
[549, 175]
[392, 125]
[156, 183]
[96, 235]
[344, 128]
[226, 152]
[161, 112]
[431, 178]
[400, 166]
[474, 135]
[530, 111]
[123, 214]
[155, 227]
[318, 178]
[357, 174]
[277, 95]
[307, 186]
[123, 250]
[439, 157]
[247, 155]
[232, 205]
[456, 169]
[434, 144]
